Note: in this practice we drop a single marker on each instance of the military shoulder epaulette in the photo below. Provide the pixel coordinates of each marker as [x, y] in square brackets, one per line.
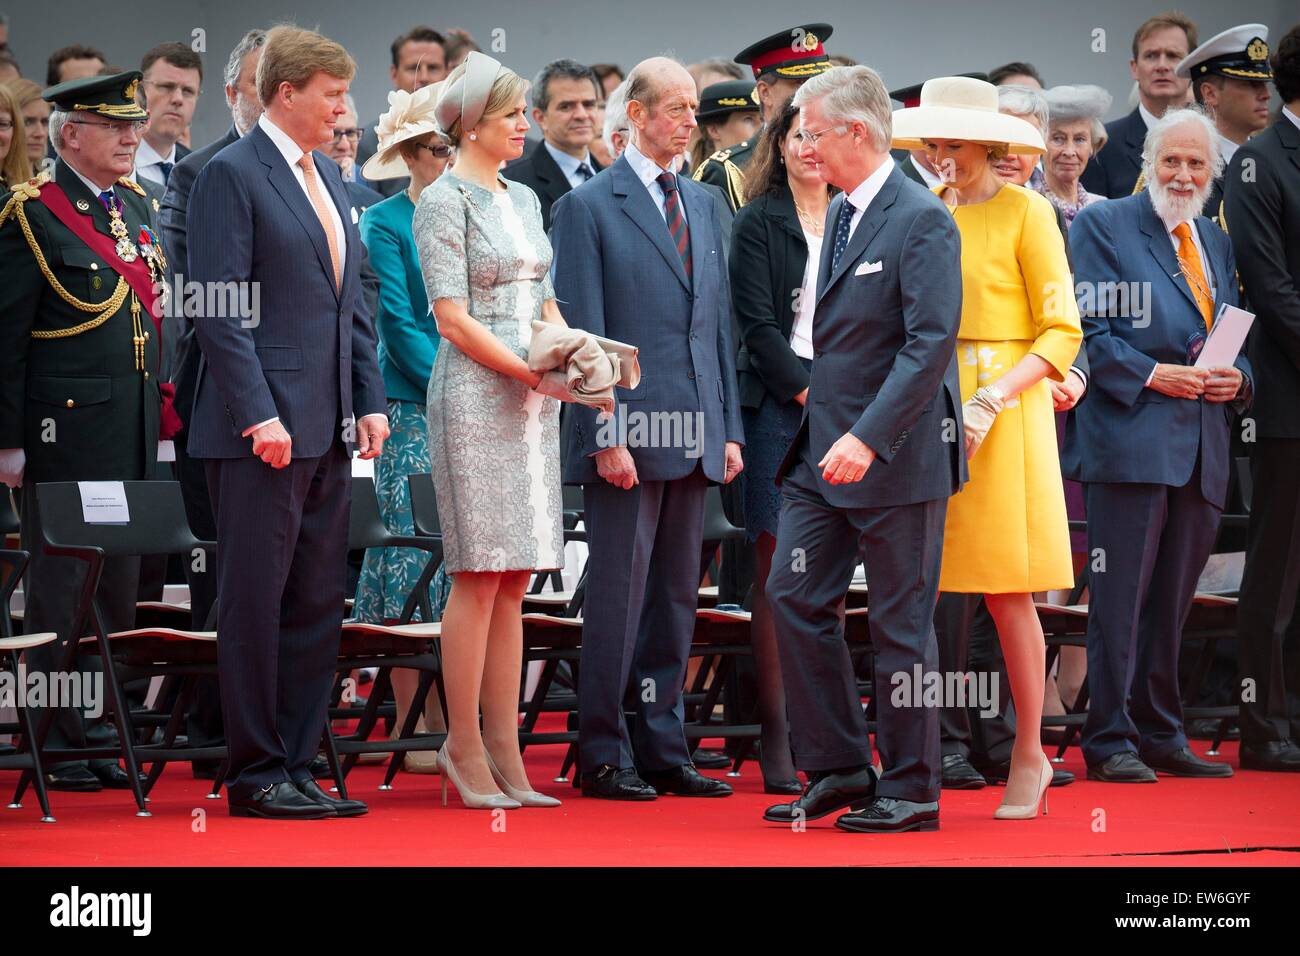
[31, 188]
[722, 155]
[132, 185]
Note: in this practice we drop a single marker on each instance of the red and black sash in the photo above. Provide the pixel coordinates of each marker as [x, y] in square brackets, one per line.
[136, 273]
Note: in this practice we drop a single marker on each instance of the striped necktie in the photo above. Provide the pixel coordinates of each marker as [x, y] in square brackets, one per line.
[677, 227]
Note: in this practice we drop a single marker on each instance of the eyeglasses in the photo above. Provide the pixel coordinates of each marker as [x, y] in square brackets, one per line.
[811, 138]
[135, 126]
[442, 150]
[352, 134]
[167, 89]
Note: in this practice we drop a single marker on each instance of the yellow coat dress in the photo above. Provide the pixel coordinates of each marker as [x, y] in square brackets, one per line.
[1006, 530]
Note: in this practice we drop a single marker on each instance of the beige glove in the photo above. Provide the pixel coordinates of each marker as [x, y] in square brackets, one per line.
[553, 384]
[978, 414]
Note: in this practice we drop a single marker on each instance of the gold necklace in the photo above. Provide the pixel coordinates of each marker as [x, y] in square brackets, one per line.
[815, 226]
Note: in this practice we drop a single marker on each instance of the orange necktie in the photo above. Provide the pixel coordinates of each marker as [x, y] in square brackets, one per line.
[322, 213]
[1190, 262]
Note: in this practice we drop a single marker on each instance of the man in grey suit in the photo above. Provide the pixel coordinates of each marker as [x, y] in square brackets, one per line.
[639, 258]
[280, 395]
[877, 456]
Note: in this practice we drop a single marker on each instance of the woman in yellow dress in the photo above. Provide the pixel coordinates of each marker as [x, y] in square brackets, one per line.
[1006, 534]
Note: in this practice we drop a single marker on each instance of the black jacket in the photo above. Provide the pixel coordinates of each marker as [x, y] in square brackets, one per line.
[1114, 170]
[768, 258]
[1263, 222]
[538, 170]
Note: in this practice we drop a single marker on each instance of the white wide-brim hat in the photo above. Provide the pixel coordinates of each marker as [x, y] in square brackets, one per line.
[409, 115]
[959, 107]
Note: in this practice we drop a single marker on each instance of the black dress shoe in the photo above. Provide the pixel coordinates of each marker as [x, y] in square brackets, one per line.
[792, 787]
[1276, 755]
[826, 792]
[73, 780]
[343, 808]
[710, 760]
[1123, 767]
[320, 769]
[998, 773]
[613, 783]
[1184, 763]
[113, 777]
[280, 801]
[958, 774]
[686, 781]
[890, 815]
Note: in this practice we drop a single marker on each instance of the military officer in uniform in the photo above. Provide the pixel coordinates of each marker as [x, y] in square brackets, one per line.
[728, 116]
[80, 393]
[1230, 77]
[780, 63]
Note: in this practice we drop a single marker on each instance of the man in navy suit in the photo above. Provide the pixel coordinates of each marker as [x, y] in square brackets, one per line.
[638, 258]
[280, 396]
[871, 469]
[1151, 443]
[1159, 45]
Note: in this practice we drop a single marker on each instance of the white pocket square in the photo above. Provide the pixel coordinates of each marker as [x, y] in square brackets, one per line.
[867, 268]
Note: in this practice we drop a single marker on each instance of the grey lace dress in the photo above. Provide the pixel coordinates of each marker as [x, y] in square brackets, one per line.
[494, 443]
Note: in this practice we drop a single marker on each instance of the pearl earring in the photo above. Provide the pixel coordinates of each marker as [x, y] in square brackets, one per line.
[473, 136]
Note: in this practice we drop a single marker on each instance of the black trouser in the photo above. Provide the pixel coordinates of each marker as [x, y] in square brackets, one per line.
[1268, 628]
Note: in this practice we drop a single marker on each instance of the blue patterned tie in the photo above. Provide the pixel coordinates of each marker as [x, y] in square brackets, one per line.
[108, 199]
[166, 171]
[585, 171]
[843, 226]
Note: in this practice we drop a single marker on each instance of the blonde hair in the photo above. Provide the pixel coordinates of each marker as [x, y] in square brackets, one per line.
[15, 166]
[293, 55]
[506, 89]
[24, 91]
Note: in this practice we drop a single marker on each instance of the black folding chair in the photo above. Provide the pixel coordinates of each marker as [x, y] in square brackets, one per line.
[27, 755]
[157, 525]
[385, 646]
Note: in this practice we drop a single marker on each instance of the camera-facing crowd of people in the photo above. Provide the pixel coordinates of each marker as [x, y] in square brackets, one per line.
[920, 330]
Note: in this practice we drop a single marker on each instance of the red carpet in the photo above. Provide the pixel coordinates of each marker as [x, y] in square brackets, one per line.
[1175, 822]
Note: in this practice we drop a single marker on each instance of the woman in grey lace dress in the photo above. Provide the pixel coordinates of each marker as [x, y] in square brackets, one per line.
[493, 439]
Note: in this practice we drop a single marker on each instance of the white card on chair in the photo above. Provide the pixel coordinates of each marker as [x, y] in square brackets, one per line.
[104, 502]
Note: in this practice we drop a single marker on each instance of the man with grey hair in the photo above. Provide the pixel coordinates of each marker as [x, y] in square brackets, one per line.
[870, 470]
[639, 258]
[1151, 444]
[80, 394]
[566, 97]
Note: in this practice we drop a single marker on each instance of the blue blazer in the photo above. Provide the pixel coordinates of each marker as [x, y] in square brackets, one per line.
[617, 273]
[1126, 432]
[1114, 171]
[408, 333]
[885, 351]
[310, 357]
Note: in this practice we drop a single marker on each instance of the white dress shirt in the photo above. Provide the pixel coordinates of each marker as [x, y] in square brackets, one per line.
[930, 179]
[1226, 148]
[292, 153]
[1147, 116]
[801, 334]
[146, 163]
[866, 191]
[569, 164]
[648, 171]
[1291, 116]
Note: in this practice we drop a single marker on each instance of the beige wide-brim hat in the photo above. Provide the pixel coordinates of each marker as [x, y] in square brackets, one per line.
[959, 107]
[409, 115]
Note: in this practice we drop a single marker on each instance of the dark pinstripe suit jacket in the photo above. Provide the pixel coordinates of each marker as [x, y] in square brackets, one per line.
[309, 354]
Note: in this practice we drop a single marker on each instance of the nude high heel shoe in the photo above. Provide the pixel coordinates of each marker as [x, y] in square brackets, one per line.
[527, 798]
[1028, 811]
[472, 800]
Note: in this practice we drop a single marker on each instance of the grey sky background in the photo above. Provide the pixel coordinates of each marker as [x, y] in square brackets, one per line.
[905, 42]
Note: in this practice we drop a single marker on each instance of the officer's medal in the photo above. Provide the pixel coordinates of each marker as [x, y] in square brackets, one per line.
[126, 250]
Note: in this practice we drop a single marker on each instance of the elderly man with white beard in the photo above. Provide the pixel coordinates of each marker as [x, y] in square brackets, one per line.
[1151, 443]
